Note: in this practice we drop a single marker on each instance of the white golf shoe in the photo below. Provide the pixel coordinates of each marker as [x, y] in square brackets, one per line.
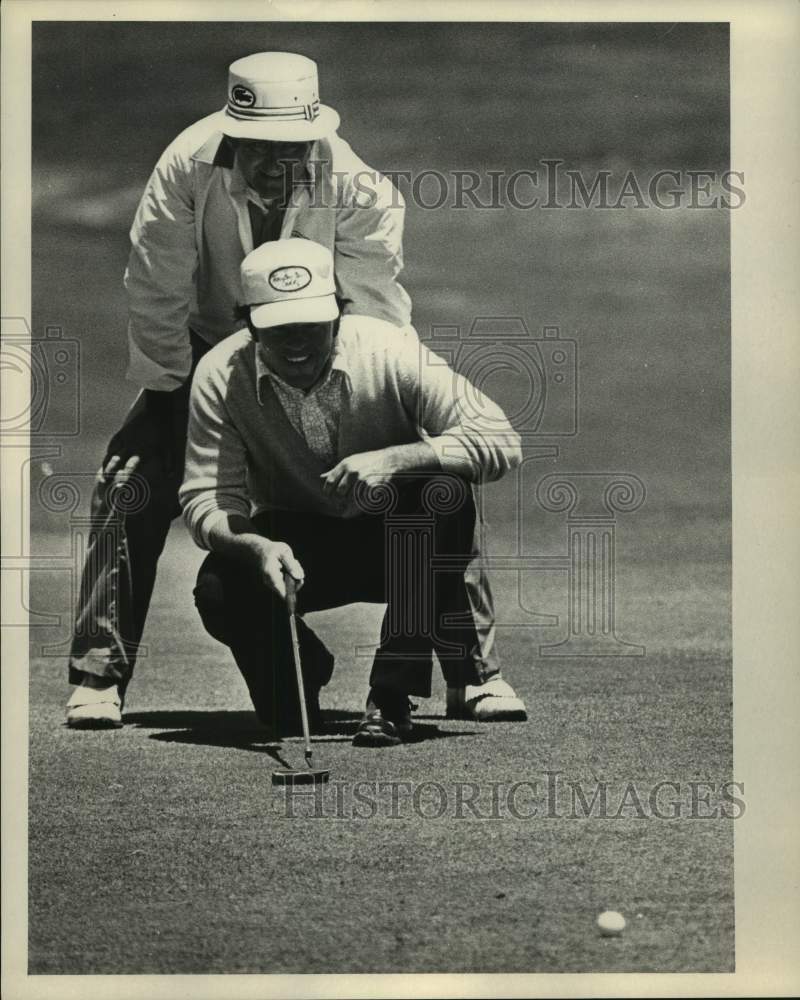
[494, 701]
[95, 708]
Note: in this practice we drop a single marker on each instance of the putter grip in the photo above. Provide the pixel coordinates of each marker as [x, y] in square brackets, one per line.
[291, 592]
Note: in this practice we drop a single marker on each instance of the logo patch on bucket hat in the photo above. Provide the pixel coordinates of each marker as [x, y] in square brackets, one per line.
[242, 96]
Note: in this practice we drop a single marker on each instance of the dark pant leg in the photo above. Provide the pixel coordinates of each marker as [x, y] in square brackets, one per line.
[418, 555]
[436, 600]
[129, 527]
[241, 612]
[345, 560]
[379, 558]
[465, 630]
[345, 563]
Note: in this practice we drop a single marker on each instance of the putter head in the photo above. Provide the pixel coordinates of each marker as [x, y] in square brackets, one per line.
[315, 776]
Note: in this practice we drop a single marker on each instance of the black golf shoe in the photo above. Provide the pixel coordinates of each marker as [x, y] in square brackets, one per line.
[387, 720]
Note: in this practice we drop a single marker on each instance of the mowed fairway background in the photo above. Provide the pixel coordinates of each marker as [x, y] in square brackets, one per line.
[162, 848]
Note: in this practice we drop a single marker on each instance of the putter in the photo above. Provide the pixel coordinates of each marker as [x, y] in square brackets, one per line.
[311, 775]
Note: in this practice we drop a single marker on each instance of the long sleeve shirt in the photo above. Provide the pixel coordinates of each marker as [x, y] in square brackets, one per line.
[245, 454]
[193, 229]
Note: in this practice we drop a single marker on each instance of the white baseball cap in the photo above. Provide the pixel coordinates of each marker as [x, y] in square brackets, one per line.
[289, 281]
[275, 96]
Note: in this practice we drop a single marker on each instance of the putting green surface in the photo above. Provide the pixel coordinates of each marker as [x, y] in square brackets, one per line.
[163, 847]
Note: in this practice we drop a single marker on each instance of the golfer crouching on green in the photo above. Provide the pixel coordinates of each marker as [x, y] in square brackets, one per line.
[342, 453]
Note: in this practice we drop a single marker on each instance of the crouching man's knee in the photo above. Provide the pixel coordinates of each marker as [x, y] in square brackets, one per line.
[209, 599]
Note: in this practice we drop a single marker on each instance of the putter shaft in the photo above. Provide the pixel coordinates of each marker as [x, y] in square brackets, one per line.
[291, 603]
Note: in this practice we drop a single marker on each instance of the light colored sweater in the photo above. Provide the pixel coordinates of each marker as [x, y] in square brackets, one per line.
[244, 456]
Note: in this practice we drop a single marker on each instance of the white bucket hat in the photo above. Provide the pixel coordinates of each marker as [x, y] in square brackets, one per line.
[275, 95]
[289, 281]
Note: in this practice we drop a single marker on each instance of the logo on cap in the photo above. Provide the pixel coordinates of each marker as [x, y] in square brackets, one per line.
[289, 279]
[242, 96]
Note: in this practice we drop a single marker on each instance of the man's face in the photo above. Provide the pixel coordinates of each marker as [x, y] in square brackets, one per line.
[297, 352]
[272, 168]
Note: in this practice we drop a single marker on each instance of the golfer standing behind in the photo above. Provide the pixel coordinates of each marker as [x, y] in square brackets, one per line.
[267, 167]
[303, 433]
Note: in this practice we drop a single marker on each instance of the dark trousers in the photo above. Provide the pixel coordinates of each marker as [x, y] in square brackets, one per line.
[416, 557]
[127, 535]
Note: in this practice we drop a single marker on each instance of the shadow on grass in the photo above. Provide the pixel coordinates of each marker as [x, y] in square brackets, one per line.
[242, 730]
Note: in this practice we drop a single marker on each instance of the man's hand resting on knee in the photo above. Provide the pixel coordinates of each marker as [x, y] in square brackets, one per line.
[150, 441]
[374, 467]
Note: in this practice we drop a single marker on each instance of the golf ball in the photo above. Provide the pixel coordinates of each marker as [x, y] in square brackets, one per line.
[611, 923]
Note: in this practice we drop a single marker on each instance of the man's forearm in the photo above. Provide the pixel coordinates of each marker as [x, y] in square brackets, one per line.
[378, 466]
[235, 536]
[475, 455]
[415, 457]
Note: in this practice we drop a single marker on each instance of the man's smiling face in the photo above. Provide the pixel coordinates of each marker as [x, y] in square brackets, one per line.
[298, 353]
[272, 168]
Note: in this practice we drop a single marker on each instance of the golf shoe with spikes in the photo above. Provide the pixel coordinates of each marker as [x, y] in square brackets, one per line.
[386, 721]
[494, 701]
[95, 707]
